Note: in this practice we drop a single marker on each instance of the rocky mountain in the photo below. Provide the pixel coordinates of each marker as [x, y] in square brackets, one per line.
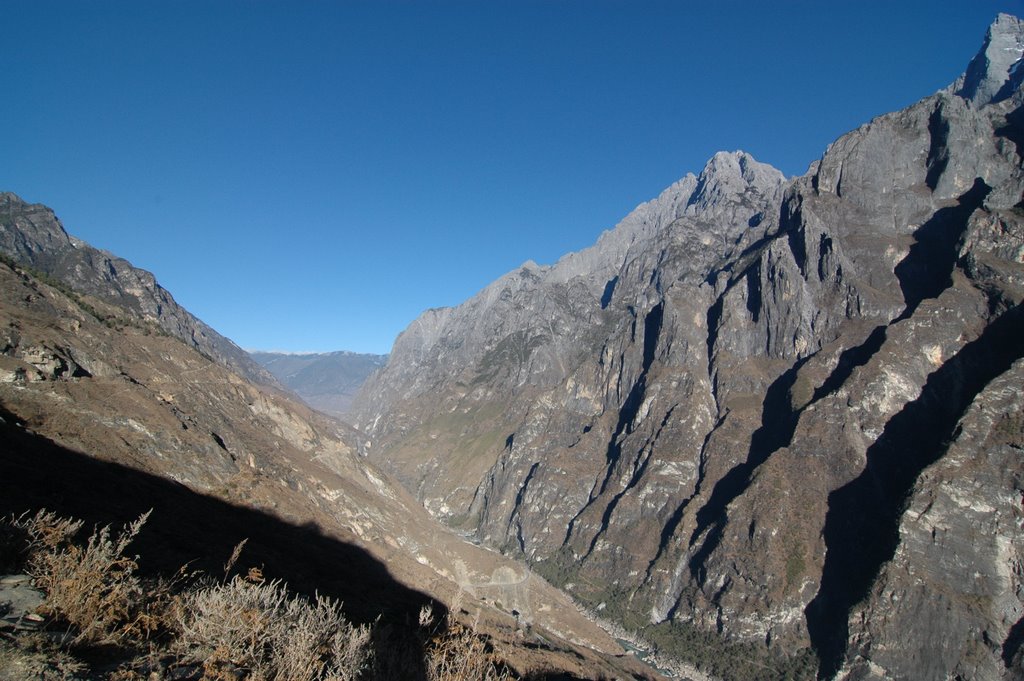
[326, 381]
[34, 236]
[776, 419]
[114, 400]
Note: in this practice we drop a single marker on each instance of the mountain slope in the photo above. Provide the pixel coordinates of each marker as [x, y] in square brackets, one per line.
[32, 234]
[731, 414]
[102, 411]
[327, 381]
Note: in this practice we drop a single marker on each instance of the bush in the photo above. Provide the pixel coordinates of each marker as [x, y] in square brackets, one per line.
[458, 653]
[93, 588]
[261, 629]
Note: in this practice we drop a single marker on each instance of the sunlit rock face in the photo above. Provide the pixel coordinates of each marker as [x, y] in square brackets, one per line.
[787, 411]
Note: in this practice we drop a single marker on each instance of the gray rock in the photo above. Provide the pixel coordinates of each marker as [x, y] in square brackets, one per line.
[995, 74]
[19, 601]
[725, 414]
[32, 235]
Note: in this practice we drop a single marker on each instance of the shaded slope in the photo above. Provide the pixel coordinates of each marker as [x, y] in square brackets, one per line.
[191, 528]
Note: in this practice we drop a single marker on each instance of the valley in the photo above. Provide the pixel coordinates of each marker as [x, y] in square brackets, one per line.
[325, 381]
[766, 427]
[110, 410]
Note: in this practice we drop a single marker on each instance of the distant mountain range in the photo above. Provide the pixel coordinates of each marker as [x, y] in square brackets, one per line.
[325, 381]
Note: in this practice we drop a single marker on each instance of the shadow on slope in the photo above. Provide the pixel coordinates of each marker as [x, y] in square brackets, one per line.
[778, 423]
[188, 527]
[927, 269]
[862, 523]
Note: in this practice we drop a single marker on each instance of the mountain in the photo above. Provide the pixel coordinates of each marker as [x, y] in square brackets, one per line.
[769, 423]
[327, 381]
[114, 400]
[32, 235]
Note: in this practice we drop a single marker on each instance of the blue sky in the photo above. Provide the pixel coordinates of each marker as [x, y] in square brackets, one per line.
[312, 175]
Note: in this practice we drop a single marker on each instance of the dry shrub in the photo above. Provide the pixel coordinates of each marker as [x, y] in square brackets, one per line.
[460, 653]
[238, 628]
[46, 531]
[94, 588]
[262, 630]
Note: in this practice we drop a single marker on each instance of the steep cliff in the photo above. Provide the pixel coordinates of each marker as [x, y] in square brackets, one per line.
[781, 411]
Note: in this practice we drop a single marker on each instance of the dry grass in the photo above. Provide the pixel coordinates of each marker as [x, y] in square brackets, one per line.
[269, 634]
[237, 629]
[93, 588]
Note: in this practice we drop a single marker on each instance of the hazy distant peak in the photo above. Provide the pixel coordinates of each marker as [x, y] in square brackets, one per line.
[311, 353]
[995, 73]
[326, 381]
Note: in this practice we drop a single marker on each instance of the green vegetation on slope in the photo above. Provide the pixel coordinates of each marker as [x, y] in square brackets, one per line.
[706, 650]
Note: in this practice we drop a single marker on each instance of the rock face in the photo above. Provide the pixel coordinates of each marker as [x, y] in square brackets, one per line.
[327, 381]
[91, 381]
[32, 234]
[787, 412]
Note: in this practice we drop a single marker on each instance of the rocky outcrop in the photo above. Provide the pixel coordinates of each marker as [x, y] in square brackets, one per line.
[31, 234]
[730, 414]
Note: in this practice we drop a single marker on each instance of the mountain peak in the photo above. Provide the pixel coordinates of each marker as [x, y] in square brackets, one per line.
[749, 404]
[729, 174]
[995, 73]
[743, 165]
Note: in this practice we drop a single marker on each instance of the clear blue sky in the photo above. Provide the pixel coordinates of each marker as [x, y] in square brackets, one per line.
[313, 175]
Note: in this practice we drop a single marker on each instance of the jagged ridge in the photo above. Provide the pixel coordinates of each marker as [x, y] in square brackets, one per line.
[32, 234]
[694, 400]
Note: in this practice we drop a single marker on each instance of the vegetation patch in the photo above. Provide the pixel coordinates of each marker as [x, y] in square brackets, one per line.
[108, 319]
[706, 650]
[100, 620]
[795, 565]
[509, 356]
[559, 569]
[729, 660]
[1008, 430]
